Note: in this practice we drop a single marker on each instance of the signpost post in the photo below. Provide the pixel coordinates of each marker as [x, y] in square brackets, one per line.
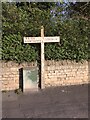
[42, 40]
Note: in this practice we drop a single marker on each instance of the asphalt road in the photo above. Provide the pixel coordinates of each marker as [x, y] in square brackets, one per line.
[54, 102]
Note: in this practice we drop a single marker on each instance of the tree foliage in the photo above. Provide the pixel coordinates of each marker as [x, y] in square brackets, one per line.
[80, 9]
[25, 19]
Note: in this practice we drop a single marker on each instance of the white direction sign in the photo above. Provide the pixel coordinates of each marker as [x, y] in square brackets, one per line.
[32, 39]
[39, 39]
[42, 40]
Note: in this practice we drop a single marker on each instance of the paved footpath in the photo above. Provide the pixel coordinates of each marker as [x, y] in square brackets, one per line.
[54, 102]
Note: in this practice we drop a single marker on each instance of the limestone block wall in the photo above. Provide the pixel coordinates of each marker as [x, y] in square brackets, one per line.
[60, 73]
[57, 73]
[10, 74]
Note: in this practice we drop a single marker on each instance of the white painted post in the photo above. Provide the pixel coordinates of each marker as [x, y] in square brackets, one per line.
[42, 58]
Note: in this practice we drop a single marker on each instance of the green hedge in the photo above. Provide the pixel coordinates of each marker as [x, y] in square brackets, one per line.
[14, 49]
[74, 37]
[18, 22]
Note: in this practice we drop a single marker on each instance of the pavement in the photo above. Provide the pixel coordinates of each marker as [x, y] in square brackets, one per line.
[52, 102]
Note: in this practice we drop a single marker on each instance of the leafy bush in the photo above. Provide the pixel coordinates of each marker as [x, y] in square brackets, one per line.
[13, 48]
[23, 20]
[74, 37]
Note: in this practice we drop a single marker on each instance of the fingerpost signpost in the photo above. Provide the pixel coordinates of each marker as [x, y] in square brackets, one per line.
[42, 40]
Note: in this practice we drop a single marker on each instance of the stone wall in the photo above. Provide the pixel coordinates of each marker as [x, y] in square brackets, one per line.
[60, 73]
[57, 73]
[10, 74]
